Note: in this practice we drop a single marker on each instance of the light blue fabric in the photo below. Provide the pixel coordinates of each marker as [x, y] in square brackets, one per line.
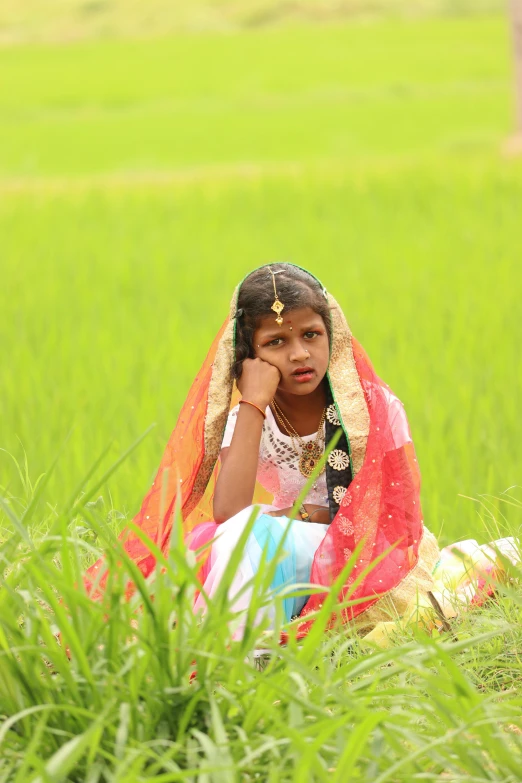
[299, 548]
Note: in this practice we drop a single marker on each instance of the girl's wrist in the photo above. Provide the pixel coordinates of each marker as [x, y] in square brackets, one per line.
[323, 517]
[256, 398]
[255, 405]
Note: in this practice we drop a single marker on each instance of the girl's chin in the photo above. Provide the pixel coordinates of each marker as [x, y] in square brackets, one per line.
[299, 388]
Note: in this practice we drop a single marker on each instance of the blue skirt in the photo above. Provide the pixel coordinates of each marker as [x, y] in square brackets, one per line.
[301, 542]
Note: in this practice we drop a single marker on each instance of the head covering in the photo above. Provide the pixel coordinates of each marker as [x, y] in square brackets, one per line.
[375, 505]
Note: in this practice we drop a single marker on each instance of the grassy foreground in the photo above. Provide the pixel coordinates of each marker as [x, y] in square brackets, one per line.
[143, 689]
[138, 183]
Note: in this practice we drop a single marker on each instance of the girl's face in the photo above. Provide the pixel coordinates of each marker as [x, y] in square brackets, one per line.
[299, 348]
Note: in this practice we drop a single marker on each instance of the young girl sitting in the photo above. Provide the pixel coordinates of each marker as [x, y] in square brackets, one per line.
[302, 378]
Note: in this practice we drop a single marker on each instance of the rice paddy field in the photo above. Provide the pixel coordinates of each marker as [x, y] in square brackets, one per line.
[140, 179]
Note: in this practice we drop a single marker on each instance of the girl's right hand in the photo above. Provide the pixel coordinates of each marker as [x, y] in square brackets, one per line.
[259, 381]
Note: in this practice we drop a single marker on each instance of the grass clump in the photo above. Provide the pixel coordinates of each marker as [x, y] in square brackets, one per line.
[139, 689]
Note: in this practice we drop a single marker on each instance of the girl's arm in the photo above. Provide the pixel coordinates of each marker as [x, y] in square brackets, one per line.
[237, 478]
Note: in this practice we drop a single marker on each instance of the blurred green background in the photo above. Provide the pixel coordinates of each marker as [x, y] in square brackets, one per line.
[151, 154]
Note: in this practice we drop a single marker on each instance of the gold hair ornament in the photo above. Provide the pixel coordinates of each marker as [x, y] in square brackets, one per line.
[278, 306]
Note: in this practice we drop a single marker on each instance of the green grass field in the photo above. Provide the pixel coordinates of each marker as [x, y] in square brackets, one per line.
[139, 181]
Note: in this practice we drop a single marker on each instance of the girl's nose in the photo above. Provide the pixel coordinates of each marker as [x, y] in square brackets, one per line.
[299, 353]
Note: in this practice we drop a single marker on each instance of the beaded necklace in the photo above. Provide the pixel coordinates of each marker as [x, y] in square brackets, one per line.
[309, 453]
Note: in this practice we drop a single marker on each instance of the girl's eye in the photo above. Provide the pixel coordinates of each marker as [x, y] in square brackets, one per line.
[277, 341]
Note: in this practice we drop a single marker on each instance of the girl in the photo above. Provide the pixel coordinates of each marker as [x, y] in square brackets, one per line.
[286, 355]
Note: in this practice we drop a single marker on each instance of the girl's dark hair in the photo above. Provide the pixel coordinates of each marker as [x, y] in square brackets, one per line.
[295, 288]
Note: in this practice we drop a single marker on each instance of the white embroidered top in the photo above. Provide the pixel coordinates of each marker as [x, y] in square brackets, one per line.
[278, 467]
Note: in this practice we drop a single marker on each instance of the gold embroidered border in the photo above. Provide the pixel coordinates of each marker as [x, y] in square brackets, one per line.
[346, 386]
[218, 404]
[394, 604]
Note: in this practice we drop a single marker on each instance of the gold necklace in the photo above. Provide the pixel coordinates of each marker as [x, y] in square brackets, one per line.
[310, 452]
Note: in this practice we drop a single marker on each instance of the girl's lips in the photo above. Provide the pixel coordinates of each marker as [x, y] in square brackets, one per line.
[303, 376]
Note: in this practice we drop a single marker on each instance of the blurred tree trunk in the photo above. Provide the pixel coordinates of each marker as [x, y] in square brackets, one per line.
[516, 27]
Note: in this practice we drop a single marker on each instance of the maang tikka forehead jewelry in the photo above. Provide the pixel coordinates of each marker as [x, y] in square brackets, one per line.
[278, 306]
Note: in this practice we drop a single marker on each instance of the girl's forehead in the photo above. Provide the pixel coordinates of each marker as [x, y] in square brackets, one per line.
[300, 317]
